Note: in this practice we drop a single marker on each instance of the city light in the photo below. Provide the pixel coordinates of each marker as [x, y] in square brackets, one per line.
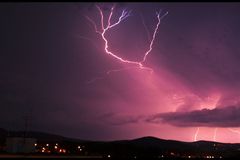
[79, 148]
[172, 154]
[211, 156]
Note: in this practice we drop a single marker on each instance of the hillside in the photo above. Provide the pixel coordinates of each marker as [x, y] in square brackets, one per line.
[145, 147]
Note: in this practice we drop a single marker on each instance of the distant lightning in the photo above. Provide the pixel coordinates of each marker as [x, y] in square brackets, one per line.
[121, 69]
[109, 72]
[105, 28]
[196, 134]
[215, 134]
[210, 103]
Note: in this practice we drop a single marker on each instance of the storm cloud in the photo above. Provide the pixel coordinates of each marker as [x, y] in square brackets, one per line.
[218, 117]
[54, 69]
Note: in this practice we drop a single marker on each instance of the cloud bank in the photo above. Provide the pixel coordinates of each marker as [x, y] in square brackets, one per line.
[218, 117]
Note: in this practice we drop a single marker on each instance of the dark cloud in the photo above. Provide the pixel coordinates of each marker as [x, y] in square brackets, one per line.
[218, 117]
[116, 119]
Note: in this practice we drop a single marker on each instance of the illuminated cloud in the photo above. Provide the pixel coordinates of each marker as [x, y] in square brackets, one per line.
[218, 117]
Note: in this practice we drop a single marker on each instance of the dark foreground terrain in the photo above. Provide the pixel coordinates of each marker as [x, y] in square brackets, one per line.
[49, 145]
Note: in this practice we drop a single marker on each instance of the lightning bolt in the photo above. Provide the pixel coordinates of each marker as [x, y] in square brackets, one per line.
[154, 35]
[215, 134]
[196, 134]
[119, 70]
[104, 28]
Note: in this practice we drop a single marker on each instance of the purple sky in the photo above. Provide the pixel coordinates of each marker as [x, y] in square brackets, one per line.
[54, 69]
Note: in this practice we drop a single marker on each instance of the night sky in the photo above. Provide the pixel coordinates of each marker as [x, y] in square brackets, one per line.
[54, 71]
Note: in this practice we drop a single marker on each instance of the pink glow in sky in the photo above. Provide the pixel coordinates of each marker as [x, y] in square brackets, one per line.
[83, 71]
[144, 95]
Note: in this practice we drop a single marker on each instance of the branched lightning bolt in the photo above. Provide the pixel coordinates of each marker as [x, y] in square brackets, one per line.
[196, 134]
[105, 28]
[154, 35]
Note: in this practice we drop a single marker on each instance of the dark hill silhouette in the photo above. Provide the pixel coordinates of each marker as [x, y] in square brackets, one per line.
[145, 147]
[40, 136]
